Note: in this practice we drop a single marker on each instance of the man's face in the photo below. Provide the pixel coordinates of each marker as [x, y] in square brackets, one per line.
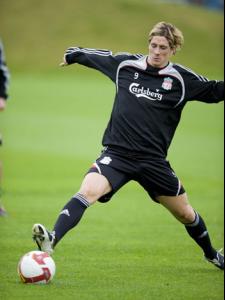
[159, 52]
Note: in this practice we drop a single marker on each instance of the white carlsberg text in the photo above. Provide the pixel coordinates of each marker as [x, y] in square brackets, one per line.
[138, 91]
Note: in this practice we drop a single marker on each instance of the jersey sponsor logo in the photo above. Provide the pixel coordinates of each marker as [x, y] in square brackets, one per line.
[167, 83]
[140, 91]
[106, 160]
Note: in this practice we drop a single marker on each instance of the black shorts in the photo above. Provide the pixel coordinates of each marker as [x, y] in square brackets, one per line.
[155, 176]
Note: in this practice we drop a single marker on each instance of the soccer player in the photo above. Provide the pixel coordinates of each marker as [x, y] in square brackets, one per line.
[151, 93]
[4, 78]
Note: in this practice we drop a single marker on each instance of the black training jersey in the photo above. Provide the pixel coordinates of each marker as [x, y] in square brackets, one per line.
[4, 74]
[148, 101]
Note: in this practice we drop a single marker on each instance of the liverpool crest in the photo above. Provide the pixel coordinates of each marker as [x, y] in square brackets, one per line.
[167, 83]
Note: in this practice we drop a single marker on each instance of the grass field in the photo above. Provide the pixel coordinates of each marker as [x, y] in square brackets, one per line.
[128, 249]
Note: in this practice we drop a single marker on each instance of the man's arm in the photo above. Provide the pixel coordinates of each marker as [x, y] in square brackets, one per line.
[201, 88]
[209, 91]
[101, 60]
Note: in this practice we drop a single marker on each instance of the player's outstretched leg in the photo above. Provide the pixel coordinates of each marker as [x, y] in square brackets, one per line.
[93, 188]
[198, 231]
[68, 218]
[194, 225]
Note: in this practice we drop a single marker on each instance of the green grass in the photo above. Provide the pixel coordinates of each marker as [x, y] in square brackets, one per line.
[128, 249]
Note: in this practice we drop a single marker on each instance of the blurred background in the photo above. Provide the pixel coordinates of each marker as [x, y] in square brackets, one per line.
[36, 33]
[211, 4]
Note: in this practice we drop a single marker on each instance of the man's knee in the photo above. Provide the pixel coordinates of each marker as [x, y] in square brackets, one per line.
[90, 194]
[179, 207]
[186, 215]
[94, 186]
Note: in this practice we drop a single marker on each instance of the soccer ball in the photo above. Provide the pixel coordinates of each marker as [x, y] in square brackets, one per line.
[36, 267]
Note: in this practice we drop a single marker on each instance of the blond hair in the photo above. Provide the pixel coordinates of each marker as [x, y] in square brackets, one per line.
[170, 32]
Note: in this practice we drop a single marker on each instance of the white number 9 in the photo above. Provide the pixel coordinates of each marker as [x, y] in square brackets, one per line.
[136, 75]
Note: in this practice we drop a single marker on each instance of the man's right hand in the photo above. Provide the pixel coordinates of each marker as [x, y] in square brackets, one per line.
[64, 63]
[2, 103]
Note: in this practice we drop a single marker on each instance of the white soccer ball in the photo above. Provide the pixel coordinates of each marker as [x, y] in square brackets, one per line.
[36, 267]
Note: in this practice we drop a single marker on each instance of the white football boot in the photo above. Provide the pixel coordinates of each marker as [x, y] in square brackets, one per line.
[43, 238]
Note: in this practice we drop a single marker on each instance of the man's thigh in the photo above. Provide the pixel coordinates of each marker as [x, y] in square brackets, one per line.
[115, 170]
[94, 186]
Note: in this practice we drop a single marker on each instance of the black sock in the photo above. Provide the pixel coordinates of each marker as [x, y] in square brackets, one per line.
[69, 216]
[198, 231]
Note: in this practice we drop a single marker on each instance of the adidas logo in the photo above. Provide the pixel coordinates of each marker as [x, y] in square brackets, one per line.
[65, 212]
